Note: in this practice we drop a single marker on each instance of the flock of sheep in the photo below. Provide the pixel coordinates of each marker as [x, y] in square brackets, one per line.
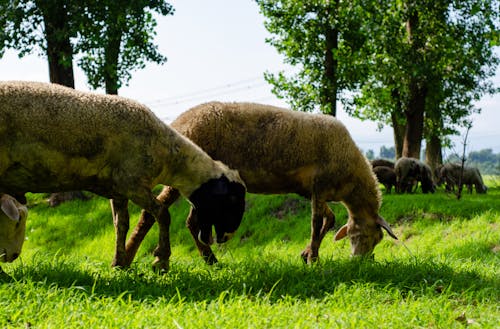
[55, 139]
[406, 173]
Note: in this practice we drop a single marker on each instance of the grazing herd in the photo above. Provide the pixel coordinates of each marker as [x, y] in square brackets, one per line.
[406, 173]
[56, 139]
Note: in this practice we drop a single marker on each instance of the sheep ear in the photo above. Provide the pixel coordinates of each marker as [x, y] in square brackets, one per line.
[380, 221]
[9, 208]
[341, 233]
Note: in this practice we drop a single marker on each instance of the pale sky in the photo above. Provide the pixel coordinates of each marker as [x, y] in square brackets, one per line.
[216, 51]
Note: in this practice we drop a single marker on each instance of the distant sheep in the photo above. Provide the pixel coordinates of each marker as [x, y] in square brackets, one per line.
[382, 163]
[409, 172]
[450, 174]
[12, 227]
[57, 139]
[282, 151]
[386, 176]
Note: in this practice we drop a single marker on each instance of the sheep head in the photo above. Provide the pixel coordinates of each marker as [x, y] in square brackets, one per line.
[364, 235]
[219, 203]
[13, 225]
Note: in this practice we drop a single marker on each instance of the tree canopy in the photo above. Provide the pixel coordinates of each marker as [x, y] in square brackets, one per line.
[116, 38]
[110, 38]
[416, 65]
[321, 39]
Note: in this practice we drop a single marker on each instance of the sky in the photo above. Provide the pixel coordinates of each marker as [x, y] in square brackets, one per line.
[216, 51]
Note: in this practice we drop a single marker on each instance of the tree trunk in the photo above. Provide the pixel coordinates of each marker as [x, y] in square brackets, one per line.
[330, 86]
[433, 154]
[112, 52]
[59, 48]
[398, 125]
[414, 121]
[415, 108]
[111, 71]
[433, 131]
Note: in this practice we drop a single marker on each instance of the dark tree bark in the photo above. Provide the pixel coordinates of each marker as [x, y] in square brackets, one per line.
[59, 48]
[329, 92]
[433, 153]
[415, 108]
[414, 121]
[398, 126]
[112, 54]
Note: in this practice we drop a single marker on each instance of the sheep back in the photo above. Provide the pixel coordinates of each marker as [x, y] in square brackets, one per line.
[284, 151]
[61, 140]
[382, 163]
[386, 176]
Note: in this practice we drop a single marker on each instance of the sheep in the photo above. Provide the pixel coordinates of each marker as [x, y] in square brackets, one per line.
[410, 171]
[55, 138]
[382, 162]
[282, 151]
[13, 225]
[386, 176]
[450, 174]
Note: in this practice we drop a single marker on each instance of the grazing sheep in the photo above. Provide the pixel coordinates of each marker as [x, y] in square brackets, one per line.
[382, 163]
[13, 225]
[58, 139]
[409, 172]
[386, 176]
[450, 174]
[282, 151]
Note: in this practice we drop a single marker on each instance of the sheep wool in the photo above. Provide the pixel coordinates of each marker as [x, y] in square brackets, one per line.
[281, 151]
[55, 138]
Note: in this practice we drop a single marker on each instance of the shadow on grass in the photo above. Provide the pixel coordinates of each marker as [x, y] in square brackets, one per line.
[193, 283]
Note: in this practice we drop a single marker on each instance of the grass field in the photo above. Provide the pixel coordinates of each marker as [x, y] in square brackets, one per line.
[444, 272]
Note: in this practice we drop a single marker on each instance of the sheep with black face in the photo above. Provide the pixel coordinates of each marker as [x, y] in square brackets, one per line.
[282, 151]
[58, 139]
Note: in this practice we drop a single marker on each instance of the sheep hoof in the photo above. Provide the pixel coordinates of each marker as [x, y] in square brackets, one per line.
[308, 256]
[210, 259]
[160, 266]
[4, 277]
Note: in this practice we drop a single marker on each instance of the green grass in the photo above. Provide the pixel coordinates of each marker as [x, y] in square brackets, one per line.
[444, 272]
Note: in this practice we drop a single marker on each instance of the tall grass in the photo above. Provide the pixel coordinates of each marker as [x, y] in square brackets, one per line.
[443, 272]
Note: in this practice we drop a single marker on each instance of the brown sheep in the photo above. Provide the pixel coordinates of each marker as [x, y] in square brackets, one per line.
[12, 227]
[410, 171]
[450, 174]
[386, 176]
[282, 151]
[58, 139]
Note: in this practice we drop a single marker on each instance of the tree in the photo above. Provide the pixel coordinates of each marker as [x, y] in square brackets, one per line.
[427, 72]
[42, 27]
[116, 39]
[321, 39]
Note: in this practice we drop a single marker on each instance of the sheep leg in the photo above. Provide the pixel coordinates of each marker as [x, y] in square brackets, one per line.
[144, 198]
[167, 196]
[145, 223]
[322, 220]
[205, 250]
[119, 210]
[162, 252]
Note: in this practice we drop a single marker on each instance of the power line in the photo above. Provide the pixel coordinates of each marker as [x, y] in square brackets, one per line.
[214, 91]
